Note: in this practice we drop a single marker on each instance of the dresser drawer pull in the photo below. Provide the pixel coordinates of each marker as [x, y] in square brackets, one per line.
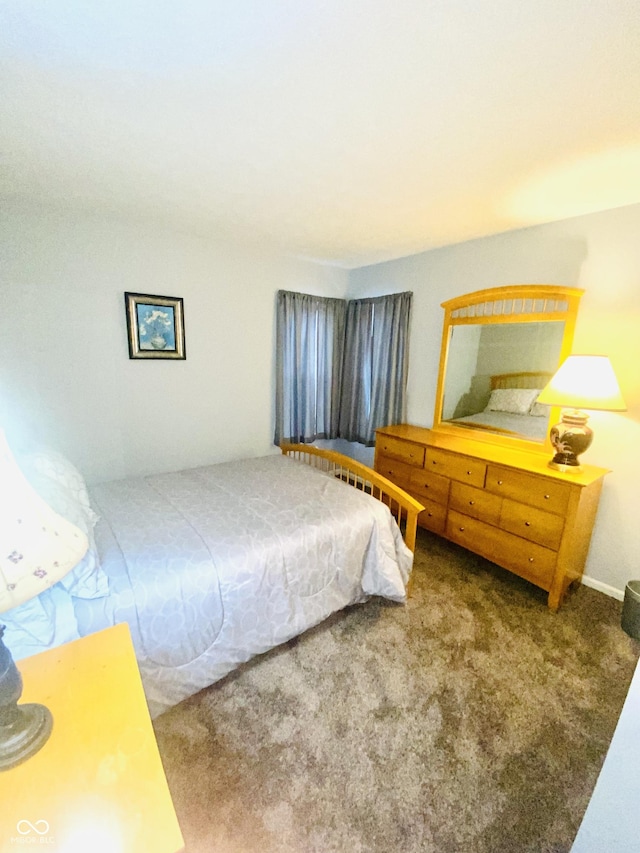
[430, 514]
[471, 503]
[469, 473]
[531, 559]
[527, 524]
[461, 529]
[499, 482]
[547, 497]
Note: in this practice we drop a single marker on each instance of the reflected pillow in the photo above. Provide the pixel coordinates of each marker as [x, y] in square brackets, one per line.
[515, 401]
[539, 410]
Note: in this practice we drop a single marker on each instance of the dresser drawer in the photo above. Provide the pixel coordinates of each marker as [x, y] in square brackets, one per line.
[526, 559]
[458, 467]
[475, 502]
[407, 451]
[544, 492]
[434, 516]
[532, 523]
[429, 485]
[394, 470]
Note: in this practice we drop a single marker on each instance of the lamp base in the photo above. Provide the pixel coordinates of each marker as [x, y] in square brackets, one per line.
[21, 736]
[571, 437]
[565, 468]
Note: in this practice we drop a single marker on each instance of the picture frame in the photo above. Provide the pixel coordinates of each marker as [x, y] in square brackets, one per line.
[155, 326]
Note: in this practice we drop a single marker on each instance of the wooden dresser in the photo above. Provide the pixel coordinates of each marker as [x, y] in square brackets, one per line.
[506, 505]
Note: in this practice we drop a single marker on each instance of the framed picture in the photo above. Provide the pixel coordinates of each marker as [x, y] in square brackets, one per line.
[155, 326]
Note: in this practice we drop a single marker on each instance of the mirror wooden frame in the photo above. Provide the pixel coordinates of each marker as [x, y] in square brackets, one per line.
[516, 303]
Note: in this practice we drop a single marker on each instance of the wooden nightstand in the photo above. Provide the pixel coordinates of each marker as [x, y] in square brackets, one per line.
[98, 784]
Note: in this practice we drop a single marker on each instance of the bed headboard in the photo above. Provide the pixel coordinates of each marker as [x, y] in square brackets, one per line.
[528, 379]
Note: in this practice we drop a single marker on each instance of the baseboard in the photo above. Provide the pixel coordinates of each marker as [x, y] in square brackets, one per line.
[611, 591]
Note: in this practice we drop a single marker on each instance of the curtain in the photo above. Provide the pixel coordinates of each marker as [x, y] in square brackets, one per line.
[309, 352]
[375, 366]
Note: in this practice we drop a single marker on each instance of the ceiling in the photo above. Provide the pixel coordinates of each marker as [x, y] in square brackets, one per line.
[347, 131]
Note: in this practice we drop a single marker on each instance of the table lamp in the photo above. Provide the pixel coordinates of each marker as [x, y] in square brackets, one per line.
[38, 547]
[23, 728]
[581, 382]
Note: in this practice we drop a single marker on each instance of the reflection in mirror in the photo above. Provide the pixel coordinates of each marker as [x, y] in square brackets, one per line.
[499, 348]
[495, 372]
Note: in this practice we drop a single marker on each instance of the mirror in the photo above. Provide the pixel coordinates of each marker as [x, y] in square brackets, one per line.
[499, 349]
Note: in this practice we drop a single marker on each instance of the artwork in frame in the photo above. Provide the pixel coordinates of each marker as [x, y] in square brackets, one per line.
[155, 326]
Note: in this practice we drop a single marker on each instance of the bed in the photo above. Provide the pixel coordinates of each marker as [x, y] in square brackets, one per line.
[512, 408]
[211, 566]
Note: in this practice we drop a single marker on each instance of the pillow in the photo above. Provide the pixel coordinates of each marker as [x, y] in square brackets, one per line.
[40, 623]
[38, 546]
[516, 401]
[62, 487]
[47, 462]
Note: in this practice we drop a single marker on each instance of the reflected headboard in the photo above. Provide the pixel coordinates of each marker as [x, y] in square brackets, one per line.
[528, 379]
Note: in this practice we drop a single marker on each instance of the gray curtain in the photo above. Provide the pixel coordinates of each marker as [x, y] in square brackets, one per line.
[309, 350]
[375, 367]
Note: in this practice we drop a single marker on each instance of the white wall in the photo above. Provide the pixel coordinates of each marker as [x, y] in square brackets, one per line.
[65, 373]
[610, 822]
[461, 368]
[600, 253]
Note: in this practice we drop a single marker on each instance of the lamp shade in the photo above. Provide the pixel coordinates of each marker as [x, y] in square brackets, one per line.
[38, 547]
[584, 382]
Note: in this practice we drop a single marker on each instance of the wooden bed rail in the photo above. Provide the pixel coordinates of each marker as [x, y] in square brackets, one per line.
[403, 507]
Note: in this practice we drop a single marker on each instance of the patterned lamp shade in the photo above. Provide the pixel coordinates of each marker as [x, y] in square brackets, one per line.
[37, 546]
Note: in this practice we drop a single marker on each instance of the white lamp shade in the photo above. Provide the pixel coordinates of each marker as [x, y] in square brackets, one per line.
[37, 546]
[584, 382]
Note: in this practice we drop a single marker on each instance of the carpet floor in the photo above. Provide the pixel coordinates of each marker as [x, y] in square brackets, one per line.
[470, 720]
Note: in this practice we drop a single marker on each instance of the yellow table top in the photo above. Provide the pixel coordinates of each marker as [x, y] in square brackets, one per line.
[97, 785]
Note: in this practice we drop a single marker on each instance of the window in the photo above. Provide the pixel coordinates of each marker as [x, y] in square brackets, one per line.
[341, 367]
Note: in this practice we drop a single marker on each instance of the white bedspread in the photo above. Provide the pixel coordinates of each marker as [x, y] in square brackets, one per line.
[213, 565]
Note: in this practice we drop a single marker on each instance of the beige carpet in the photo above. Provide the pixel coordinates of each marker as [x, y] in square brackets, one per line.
[471, 720]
